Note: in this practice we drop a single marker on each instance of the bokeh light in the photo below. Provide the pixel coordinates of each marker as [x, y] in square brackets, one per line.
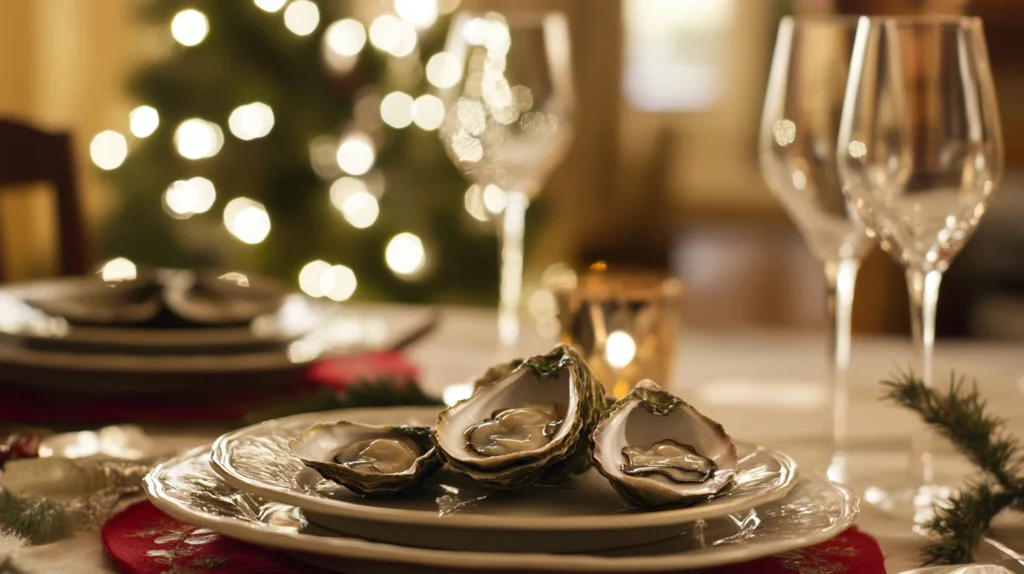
[393, 35]
[360, 209]
[247, 220]
[345, 37]
[620, 348]
[444, 70]
[118, 269]
[405, 255]
[197, 138]
[311, 278]
[189, 27]
[428, 112]
[143, 121]
[251, 121]
[419, 13]
[301, 17]
[396, 109]
[108, 149]
[355, 154]
[340, 283]
[185, 198]
[269, 5]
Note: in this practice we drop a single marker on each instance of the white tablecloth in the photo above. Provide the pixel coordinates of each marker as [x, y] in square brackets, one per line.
[764, 386]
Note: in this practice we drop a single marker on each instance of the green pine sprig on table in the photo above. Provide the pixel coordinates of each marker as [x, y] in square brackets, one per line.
[959, 413]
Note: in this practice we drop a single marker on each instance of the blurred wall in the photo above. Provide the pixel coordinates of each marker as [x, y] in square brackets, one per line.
[64, 64]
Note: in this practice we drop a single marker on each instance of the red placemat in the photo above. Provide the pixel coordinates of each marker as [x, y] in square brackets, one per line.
[144, 540]
[18, 405]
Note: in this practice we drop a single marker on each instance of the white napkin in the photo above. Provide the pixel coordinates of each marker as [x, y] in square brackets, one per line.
[963, 569]
[10, 546]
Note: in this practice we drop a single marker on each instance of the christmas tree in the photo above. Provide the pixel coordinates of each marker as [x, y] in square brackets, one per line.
[296, 139]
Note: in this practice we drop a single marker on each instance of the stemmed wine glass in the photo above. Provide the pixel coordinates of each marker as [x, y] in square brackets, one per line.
[802, 108]
[508, 123]
[920, 152]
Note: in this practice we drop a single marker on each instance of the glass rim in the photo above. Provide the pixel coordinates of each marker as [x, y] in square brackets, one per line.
[821, 19]
[921, 20]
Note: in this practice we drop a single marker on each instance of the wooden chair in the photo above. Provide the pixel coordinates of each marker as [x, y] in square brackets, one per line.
[28, 155]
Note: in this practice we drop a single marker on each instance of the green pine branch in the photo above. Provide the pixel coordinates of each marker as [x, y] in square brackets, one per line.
[959, 413]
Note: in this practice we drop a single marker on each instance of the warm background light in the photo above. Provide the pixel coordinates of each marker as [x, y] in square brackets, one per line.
[118, 269]
[405, 255]
[301, 17]
[251, 121]
[108, 150]
[428, 112]
[345, 37]
[247, 220]
[189, 27]
[143, 121]
[444, 70]
[355, 154]
[269, 5]
[419, 13]
[196, 138]
[396, 110]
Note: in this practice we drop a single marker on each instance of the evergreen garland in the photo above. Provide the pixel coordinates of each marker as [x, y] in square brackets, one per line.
[959, 413]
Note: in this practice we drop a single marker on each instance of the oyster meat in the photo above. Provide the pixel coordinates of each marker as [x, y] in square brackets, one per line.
[657, 450]
[530, 425]
[367, 459]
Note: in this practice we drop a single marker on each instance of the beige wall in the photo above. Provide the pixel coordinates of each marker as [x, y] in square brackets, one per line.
[63, 65]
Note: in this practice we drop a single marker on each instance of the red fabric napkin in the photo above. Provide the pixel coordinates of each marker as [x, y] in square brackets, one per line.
[144, 540]
[18, 405]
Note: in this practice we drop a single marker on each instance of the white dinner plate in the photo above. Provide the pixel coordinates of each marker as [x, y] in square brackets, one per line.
[447, 511]
[187, 488]
[345, 330]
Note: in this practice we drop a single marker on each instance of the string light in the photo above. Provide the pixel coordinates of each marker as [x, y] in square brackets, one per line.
[396, 110]
[428, 112]
[355, 154]
[197, 138]
[301, 17]
[108, 150]
[247, 220]
[393, 35]
[345, 37]
[189, 27]
[360, 209]
[269, 5]
[251, 121]
[342, 283]
[405, 255]
[185, 198]
[311, 278]
[118, 269]
[620, 348]
[419, 13]
[444, 70]
[143, 121]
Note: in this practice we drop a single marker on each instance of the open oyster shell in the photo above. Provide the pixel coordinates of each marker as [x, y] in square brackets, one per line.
[530, 426]
[212, 298]
[98, 302]
[657, 450]
[367, 459]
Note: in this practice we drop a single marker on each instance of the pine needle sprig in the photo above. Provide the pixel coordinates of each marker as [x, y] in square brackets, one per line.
[960, 414]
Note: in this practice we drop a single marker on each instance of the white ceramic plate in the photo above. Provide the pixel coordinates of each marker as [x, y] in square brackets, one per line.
[188, 489]
[447, 511]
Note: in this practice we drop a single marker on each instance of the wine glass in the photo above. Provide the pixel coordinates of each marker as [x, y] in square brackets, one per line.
[802, 108]
[508, 123]
[920, 152]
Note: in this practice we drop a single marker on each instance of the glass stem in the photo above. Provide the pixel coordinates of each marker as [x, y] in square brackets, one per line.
[513, 222]
[923, 288]
[841, 278]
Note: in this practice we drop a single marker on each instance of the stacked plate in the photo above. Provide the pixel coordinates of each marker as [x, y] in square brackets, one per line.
[249, 486]
[173, 330]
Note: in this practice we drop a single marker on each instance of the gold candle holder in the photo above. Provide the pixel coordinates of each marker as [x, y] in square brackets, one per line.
[624, 324]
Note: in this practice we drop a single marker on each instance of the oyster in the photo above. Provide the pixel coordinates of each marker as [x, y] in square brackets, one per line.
[211, 298]
[94, 301]
[657, 450]
[531, 425]
[367, 459]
